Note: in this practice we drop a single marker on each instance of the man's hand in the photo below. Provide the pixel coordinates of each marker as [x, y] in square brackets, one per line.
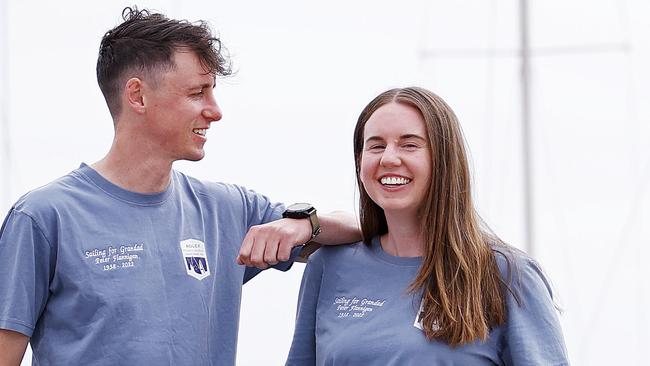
[271, 243]
[12, 347]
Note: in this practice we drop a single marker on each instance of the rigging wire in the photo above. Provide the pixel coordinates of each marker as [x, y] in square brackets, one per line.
[527, 146]
[549, 51]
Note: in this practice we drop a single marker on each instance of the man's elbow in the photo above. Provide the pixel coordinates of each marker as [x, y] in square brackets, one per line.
[13, 346]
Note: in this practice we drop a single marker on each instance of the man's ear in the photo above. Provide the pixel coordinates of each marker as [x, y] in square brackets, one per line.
[134, 95]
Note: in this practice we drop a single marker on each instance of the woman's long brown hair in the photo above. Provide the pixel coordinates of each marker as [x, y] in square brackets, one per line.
[462, 292]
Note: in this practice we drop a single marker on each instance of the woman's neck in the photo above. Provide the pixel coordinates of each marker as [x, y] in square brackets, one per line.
[404, 237]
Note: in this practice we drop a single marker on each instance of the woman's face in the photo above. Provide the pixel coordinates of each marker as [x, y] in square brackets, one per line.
[396, 159]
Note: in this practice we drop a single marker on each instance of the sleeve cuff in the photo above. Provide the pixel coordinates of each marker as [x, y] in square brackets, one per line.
[16, 326]
[282, 266]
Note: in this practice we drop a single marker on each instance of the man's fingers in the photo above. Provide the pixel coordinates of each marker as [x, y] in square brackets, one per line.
[271, 252]
[245, 250]
[271, 243]
[257, 254]
[284, 250]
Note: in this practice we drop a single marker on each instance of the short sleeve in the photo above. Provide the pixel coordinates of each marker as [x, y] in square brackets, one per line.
[258, 208]
[532, 334]
[26, 266]
[303, 346]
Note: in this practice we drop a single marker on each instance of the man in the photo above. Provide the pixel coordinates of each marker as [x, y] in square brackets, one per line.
[127, 261]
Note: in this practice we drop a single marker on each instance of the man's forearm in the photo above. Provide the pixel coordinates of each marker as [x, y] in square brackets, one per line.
[338, 227]
[270, 243]
[12, 346]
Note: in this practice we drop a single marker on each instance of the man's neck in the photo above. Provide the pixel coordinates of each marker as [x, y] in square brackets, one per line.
[133, 169]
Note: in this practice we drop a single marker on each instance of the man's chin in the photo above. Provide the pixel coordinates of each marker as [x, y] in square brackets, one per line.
[195, 157]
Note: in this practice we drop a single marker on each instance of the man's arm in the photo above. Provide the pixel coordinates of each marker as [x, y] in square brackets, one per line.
[13, 346]
[271, 243]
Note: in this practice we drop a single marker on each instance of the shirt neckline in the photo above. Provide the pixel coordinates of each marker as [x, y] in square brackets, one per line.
[375, 246]
[122, 194]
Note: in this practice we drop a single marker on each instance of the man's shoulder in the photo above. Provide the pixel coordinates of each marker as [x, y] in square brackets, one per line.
[51, 195]
[207, 187]
[220, 192]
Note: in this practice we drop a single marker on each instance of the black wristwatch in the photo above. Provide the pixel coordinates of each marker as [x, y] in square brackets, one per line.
[304, 211]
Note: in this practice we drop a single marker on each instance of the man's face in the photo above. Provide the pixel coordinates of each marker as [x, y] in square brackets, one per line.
[180, 109]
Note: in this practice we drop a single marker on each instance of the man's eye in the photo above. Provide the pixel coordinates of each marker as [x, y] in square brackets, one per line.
[376, 147]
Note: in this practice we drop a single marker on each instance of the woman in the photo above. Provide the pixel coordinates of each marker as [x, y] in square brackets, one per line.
[427, 286]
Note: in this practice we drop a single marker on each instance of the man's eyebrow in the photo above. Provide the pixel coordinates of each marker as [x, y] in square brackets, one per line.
[203, 85]
[210, 84]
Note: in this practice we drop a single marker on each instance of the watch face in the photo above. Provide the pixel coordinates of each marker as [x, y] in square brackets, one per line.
[299, 207]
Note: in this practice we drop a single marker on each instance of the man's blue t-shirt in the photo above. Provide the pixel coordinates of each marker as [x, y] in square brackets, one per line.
[97, 275]
[355, 309]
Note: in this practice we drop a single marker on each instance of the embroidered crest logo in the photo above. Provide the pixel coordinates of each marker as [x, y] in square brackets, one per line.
[196, 259]
[418, 319]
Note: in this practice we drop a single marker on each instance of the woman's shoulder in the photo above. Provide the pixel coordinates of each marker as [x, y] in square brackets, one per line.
[338, 253]
[520, 272]
[532, 333]
[509, 259]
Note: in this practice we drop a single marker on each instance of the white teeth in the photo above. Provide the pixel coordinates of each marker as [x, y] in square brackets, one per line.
[200, 131]
[395, 180]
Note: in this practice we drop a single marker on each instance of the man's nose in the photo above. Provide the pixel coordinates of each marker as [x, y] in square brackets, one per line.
[212, 112]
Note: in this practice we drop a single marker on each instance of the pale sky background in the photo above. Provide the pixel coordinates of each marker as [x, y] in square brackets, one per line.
[305, 71]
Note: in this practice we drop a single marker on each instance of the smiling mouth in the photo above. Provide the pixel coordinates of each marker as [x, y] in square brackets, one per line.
[394, 181]
[200, 131]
